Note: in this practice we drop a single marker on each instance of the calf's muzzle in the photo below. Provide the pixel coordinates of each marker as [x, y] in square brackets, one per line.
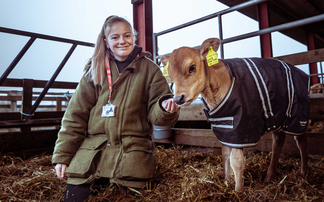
[180, 99]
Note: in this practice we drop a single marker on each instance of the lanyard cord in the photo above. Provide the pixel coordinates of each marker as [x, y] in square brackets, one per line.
[110, 80]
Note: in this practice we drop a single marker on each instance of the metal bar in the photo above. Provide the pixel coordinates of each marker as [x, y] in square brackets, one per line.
[42, 36]
[16, 60]
[311, 46]
[295, 17]
[155, 51]
[234, 8]
[281, 27]
[316, 74]
[220, 30]
[159, 56]
[321, 71]
[265, 40]
[50, 82]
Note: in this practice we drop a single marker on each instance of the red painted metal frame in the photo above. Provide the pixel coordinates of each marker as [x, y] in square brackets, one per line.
[311, 46]
[265, 39]
[143, 24]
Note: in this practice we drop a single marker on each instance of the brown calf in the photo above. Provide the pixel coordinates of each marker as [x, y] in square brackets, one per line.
[198, 71]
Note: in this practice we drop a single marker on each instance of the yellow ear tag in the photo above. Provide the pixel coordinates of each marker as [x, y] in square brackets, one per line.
[212, 57]
[165, 70]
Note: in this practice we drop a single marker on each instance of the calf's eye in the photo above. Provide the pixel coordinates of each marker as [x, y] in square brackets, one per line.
[192, 68]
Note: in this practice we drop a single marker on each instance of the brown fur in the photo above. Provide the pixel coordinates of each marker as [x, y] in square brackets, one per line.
[213, 82]
[319, 89]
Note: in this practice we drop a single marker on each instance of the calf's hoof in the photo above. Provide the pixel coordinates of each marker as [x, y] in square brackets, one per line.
[270, 176]
[304, 172]
[239, 189]
[268, 179]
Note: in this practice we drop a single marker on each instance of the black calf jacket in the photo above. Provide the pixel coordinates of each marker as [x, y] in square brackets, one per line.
[265, 95]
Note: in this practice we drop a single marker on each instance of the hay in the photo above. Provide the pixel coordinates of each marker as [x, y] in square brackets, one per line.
[32, 179]
[183, 174]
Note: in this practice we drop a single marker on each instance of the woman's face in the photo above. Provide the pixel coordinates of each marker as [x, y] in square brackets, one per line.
[120, 40]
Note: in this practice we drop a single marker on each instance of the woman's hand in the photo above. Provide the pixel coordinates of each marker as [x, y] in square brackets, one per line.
[60, 169]
[170, 106]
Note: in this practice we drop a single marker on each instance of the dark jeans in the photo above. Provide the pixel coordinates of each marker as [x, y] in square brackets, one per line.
[79, 193]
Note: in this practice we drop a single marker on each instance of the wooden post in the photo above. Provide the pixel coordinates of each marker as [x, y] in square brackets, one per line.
[59, 108]
[13, 103]
[27, 98]
[59, 103]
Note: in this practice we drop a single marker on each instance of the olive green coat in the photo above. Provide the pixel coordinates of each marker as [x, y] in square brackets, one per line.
[119, 147]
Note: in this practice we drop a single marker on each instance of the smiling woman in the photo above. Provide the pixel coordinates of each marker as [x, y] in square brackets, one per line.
[106, 130]
[120, 40]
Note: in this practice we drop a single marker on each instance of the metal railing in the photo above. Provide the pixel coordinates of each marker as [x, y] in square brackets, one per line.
[33, 37]
[219, 14]
[202, 19]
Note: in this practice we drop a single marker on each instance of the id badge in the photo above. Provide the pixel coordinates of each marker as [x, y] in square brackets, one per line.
[108, 110]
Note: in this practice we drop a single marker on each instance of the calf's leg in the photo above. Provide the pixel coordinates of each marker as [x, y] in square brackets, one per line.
[226, 152]
[278, 140]
[237, 164]
[301, 141]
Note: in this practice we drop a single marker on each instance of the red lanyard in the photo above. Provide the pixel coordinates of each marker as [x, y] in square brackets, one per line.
[109, 79]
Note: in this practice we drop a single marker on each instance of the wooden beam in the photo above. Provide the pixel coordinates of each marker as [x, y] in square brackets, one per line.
[5, 116]
[30, 123]
[16, 141]
[194, 137]
[15, 98]
[19, 93]
[40, 84]
[45, 107]
[206, 138]
[56, 84]
[193, 112]
[311, 56]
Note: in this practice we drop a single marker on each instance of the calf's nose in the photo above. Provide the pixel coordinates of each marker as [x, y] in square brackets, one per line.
[179, 99]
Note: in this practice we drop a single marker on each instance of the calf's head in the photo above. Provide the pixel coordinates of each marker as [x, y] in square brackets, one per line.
[188, 69]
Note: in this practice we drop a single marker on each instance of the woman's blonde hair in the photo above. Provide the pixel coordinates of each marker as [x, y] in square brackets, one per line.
[96, 68]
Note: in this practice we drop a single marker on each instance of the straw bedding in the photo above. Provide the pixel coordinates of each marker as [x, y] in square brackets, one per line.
[183, 174]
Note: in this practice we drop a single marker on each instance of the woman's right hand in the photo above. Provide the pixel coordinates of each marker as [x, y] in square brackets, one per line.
[60, 169]
[170, 106]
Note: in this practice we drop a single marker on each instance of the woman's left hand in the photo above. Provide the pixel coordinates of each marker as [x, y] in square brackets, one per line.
[170, 106]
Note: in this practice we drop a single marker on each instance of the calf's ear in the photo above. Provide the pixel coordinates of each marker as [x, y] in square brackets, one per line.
[165, 59]
[214, 42]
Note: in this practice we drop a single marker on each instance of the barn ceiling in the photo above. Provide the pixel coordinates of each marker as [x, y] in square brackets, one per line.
[284, 11]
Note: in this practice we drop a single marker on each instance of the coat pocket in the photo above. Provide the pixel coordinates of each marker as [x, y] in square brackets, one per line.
[86, 159]
[138, 160]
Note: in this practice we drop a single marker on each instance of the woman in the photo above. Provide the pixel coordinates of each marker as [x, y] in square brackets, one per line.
[106, 130]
